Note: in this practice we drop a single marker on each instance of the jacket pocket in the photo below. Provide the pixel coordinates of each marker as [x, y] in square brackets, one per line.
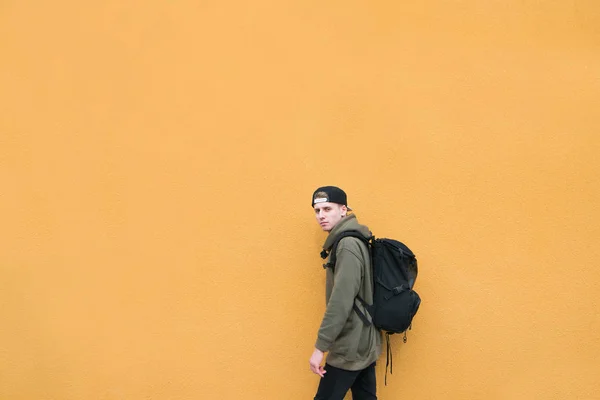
[367, 341]
[347, 343]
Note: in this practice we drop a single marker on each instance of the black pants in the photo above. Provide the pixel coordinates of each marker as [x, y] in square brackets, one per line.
[336, 383]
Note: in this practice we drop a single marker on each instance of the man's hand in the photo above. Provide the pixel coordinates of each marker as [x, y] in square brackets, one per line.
[315, 363]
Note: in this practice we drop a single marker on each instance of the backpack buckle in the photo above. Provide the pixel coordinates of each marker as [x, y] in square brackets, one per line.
[398, 289]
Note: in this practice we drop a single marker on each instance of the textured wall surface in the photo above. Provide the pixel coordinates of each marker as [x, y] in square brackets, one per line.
[157, 160]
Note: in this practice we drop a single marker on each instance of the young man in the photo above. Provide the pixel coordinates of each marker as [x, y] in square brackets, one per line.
[352, 346]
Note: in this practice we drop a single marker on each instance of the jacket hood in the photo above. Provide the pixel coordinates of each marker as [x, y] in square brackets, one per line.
[348, 223]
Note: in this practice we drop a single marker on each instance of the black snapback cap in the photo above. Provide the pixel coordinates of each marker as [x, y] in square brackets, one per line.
[330, 194]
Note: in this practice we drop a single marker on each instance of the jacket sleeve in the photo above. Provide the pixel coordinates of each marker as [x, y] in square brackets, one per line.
[346, 284]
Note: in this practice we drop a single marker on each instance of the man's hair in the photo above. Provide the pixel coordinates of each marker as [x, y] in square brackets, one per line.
[331, 194]
[323, 195]
[320, 195]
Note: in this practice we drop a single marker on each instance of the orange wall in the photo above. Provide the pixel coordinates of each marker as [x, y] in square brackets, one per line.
[157, 160]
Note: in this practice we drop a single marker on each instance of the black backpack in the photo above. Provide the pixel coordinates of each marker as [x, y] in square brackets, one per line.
[395, 270]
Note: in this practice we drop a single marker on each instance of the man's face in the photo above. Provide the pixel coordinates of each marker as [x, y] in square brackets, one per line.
[329, 214]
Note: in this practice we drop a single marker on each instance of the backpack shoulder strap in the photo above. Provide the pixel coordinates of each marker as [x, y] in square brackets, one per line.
[331, 253]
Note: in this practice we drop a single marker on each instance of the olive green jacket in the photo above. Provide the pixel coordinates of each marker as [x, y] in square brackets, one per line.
[350, 343]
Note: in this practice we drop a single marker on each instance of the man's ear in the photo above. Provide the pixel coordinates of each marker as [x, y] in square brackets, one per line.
[344, 210]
